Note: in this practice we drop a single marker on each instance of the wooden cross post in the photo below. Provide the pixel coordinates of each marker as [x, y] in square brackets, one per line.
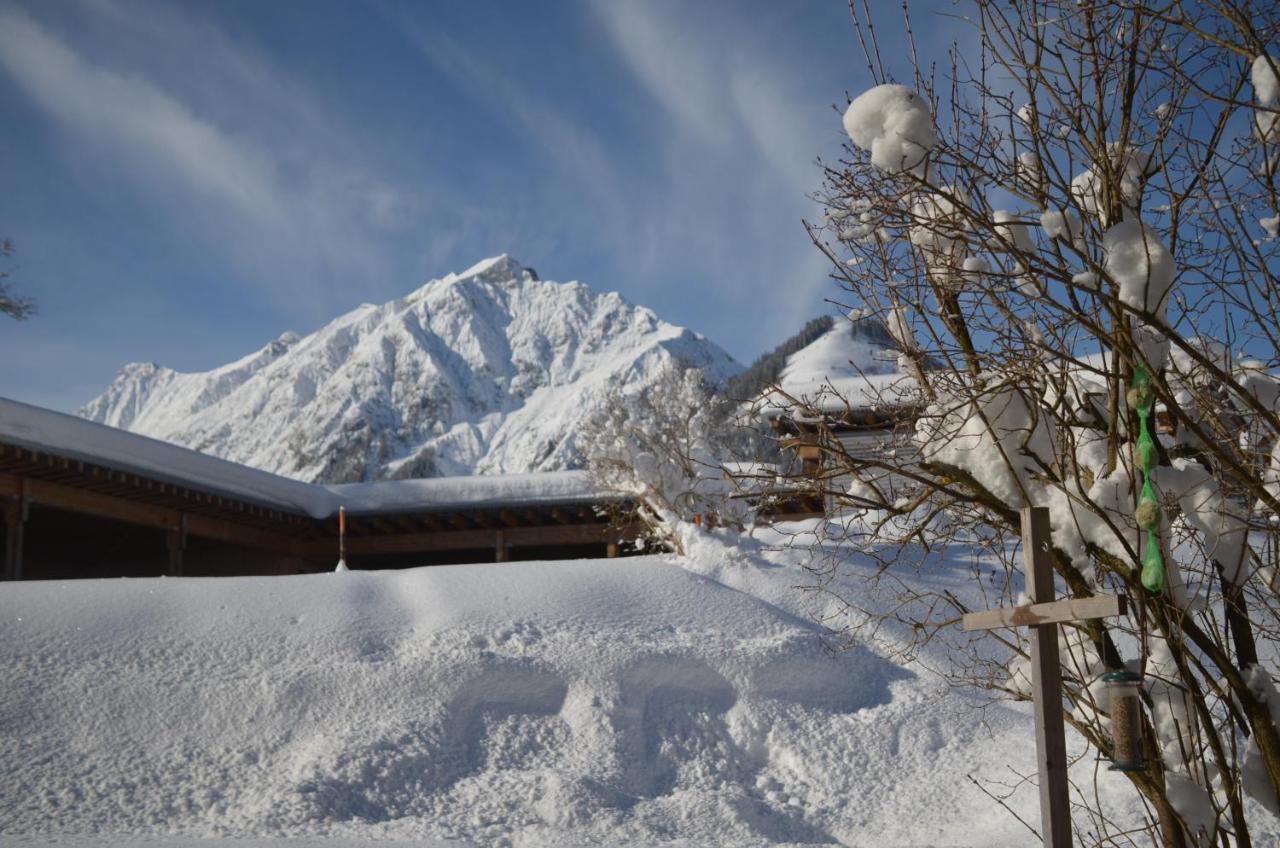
[1043, 615]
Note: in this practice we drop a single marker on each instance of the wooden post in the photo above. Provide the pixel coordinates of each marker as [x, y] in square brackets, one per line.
[15, 523]
[612, 549]
[1046, 684]
[176, 539]
[499, 546]
[1043, 615]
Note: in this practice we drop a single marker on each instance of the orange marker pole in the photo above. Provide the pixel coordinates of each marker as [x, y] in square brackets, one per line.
[342, 534]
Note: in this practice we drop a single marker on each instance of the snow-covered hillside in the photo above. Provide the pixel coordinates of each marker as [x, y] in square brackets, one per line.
[855, 362]
[487, 371]
[618, 702]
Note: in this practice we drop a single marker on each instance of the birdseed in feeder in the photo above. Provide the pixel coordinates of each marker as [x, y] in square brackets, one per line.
[1126, 720]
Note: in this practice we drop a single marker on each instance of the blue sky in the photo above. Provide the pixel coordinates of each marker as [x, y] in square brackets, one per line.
[186, 181]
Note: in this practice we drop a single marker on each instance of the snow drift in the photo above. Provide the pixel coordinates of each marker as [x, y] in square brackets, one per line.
[604, 702]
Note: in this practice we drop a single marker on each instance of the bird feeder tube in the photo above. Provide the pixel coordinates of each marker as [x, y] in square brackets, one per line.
[1126, 720]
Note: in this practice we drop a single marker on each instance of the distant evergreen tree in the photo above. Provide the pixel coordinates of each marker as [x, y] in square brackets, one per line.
[767, 368]
[13, 305]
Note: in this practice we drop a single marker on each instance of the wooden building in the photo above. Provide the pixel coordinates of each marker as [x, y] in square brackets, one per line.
[863, 417]
[83, 500]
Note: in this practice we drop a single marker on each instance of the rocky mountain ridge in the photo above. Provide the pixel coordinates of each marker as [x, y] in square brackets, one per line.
[485, 372]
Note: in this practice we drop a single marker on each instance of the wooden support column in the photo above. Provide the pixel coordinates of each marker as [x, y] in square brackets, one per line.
[500, 552]
[176, 537]
[613, 550]
[1046, 684]
[1043, 615]
[15, 522]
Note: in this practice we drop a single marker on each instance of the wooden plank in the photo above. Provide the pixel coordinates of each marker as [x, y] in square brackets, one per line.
[578, 534]
[102, 505]
[1046, 684]
[72, 499]
[234, 533]
[460, 522]
[10, 486]
[1029, 615]
[14, 530]
[176, 542]
[452, 540]
[483, 519]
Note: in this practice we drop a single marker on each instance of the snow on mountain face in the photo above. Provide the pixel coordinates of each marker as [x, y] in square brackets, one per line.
[856, 363]
[489, 371]
[850, 349]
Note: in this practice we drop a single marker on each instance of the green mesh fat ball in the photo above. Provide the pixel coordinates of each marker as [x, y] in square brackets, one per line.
[1148, 515]
[1153, 565]
[1140, 397]
[1145, 452]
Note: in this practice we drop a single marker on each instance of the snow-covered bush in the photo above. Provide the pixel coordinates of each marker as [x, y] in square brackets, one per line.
[1084, 272]
[666, 447]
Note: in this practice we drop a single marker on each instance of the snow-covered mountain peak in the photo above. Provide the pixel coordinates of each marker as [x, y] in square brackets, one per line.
[486, 371]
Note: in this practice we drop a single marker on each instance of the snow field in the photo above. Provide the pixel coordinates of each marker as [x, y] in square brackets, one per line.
[593, 702]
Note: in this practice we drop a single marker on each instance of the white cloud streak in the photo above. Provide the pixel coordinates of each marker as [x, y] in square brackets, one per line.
[299, 214]
[729, 103]
[135, 113]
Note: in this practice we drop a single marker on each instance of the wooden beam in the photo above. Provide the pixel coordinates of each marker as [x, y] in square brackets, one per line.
[1068, 609]
[431, 521]
[452, 540]
[500, 548]
[483, 519]
[1046, 684]
[176, 541]
[15, 520]
[458, 521]
[58, 496]
[579, 534]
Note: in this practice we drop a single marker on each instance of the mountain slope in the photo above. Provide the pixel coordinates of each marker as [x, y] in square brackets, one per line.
[488, 371]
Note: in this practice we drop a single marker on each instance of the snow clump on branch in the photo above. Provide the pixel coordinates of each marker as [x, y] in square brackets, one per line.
[1000, 438]
[894, 125]
[1266, 85]
[1140, 264]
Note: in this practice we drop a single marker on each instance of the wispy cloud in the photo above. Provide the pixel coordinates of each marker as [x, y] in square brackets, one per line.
[742, 137]
[292, 214]
[673, 64]
[135, 113]
[575, 152]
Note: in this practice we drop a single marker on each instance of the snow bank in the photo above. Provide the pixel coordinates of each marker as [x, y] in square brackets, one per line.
[894, 125]
[605, 702]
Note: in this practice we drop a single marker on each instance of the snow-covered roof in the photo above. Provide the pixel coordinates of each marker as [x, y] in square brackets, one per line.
[559, 487]
[869, 391]
[36, 428]
[846, 367]
[47, 431]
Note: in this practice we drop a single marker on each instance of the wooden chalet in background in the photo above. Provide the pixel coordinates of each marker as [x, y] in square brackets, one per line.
[84, 500]
[861, 418]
